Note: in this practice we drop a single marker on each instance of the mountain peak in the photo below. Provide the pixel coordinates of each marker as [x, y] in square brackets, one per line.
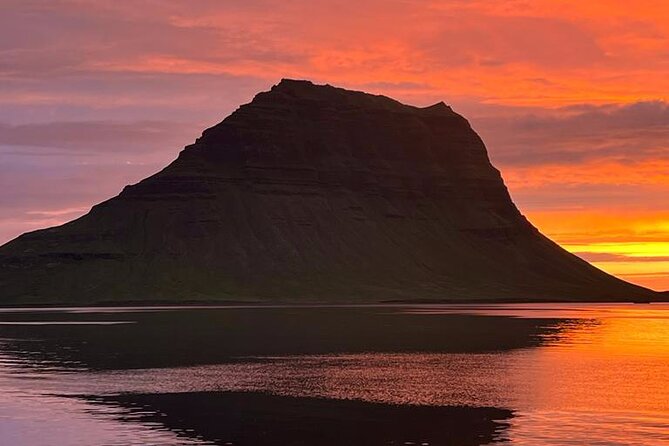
[286, 82]
[292, 90]
[298, 89]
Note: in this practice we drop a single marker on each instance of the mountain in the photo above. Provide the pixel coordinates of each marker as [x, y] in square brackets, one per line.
[309, 193]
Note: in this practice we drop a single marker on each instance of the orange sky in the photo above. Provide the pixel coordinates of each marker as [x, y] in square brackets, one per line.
[569, 96]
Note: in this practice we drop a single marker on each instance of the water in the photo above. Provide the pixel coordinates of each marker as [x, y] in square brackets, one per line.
[524, 374]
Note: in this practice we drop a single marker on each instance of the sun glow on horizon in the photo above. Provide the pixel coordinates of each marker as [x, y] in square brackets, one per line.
[634, 247]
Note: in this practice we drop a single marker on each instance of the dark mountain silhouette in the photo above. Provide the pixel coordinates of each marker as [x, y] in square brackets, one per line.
[309, 193]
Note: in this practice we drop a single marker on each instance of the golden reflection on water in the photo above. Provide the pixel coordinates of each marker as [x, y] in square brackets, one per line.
[605, 381]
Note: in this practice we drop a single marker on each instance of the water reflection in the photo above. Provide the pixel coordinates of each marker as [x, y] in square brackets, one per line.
[529, 374]
[169, 338]
[268, 420]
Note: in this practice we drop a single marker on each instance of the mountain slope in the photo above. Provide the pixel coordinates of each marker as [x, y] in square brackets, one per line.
[309, 193]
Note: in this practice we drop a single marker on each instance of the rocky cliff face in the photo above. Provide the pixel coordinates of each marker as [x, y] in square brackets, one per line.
[309, 193]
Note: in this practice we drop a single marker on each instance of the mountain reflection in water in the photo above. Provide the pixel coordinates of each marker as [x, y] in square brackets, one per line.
[553, 374]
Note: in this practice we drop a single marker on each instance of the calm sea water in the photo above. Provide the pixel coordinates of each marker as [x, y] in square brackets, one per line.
[525, 374]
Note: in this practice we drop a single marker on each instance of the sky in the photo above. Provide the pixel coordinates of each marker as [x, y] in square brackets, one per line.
[570, 97]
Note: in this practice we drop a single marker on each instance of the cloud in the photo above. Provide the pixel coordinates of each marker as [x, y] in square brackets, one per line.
[117, 96]
[71, 37]
[611, 257]
[476, 49]
[623, 133]
[489, 40]
[92, 136]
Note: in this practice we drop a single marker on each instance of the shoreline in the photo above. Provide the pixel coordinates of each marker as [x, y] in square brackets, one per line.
[171, 305]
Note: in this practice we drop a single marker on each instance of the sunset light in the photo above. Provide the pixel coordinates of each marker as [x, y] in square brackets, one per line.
[570, 97]
[334, 222]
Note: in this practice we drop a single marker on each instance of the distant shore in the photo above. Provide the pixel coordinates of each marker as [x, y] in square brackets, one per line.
[663, 297]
